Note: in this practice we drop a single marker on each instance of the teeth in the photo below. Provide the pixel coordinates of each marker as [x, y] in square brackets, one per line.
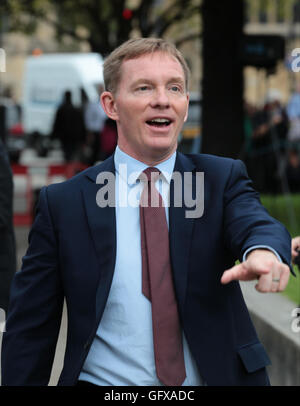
[160, 120]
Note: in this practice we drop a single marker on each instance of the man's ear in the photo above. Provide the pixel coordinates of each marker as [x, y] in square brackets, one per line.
[109, 105]
[187, 110]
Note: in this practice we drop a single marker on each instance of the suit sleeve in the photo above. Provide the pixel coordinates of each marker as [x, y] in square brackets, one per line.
[247, 223]
[35, 309]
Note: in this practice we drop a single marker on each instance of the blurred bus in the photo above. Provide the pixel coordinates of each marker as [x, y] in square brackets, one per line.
[46, 79]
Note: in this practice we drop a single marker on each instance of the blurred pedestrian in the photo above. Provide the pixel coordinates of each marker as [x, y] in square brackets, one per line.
[257, 142]
[7, 236]
[94, 118]
[295, 248]
[268, 128]
[69, 128]
[276, 139]
[293, 112]
[108, 138]
[292, 170]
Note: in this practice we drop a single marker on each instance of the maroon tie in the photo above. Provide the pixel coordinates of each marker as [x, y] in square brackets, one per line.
[157, 284]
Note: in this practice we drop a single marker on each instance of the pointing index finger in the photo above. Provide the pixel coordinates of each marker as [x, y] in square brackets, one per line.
[233, 273]
[243, 272]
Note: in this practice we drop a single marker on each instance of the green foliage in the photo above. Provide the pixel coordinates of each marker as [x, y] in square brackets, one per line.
[286, 209]
[292, 290]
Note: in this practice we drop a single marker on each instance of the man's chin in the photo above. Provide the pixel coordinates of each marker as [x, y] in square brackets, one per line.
[160, 152]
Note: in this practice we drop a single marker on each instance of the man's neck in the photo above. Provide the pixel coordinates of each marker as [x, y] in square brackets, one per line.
[149, 160]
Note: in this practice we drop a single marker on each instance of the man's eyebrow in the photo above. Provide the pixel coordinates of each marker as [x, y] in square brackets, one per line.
[175, 79]
[142, 80]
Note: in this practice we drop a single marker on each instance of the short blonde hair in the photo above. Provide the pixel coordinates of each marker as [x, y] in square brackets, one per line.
[134, 48]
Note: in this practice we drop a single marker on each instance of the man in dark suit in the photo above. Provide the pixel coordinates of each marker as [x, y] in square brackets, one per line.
[86, 246]
[7, 237]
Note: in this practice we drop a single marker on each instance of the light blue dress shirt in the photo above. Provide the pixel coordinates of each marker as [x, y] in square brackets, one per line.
[122, 351]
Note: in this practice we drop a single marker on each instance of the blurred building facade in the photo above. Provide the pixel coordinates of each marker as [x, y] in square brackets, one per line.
[279, 17]
[18, 46]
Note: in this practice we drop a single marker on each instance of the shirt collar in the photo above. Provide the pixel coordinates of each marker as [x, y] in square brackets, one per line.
[129, 168]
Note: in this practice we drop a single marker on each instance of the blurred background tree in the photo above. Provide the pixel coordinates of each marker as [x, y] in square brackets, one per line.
[104, 24]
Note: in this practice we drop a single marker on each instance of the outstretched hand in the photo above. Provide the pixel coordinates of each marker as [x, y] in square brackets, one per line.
[295, 247]
[263, 265]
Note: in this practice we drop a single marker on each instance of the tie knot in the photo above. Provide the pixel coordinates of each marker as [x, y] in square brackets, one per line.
[150, 174]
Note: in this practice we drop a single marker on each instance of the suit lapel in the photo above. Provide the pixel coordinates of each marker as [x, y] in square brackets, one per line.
[102, 224]
[181, 229]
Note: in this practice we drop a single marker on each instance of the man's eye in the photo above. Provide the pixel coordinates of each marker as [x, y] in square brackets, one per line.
[143, 88]
[175, 88]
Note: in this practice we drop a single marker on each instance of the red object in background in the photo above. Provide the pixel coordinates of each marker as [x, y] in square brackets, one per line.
[127, 14]
[23, 218]
[108, 138]
[16, 129]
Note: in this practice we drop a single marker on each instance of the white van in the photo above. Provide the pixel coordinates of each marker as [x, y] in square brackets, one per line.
[46, 79]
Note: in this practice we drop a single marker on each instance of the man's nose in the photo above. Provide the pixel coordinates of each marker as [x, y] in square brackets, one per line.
[160, 99]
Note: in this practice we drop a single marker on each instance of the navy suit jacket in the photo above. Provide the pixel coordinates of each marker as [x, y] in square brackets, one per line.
[7, 235]
[72, 254]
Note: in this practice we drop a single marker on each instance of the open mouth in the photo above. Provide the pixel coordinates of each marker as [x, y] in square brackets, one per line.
[159, 122]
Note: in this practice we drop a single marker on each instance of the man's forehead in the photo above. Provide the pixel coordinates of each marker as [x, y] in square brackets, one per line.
[132, 63]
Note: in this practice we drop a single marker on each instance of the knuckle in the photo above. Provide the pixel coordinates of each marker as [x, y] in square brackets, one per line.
[269, 263]
[286, 269]
[262, 289]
